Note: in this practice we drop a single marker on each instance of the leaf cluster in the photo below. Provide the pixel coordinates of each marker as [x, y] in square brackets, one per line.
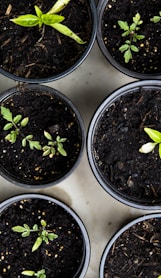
[130, 31]
[50, 18]
[42, 232]
[53, 145]
[39, 274]
[17, 122]
[156, 18]
[156, 137]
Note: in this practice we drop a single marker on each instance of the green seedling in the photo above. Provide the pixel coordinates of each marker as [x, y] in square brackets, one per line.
[43, 234]
[54, 145]
[130, 31]
[51, 18]
[15, 125]
[39, 274]
[156, 19]
[156, 137]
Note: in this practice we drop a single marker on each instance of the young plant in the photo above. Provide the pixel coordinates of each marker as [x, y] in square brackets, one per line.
[43, 234]
[38, 274]
[156, 19]
[51, 18]
[156, 137]
[130, 31]
[54, 145]
[15, 124]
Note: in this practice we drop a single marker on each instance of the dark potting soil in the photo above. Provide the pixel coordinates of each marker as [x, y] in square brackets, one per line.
[41, 52]
[147, 60]
[136, 252]
[45, 112]
[60, 258]
[118, 138]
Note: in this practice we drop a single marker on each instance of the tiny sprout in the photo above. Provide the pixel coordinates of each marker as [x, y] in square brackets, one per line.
[156, 19]
[131, 31]
[50, 18]
[39, 274]
[53, 145]
[43, 234]
[156, 137]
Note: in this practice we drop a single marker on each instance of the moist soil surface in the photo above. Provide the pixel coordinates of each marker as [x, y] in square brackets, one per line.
[41, 52]
[60, 258]
[119, 134]
[46, 113]
[136, 252]
[147, 60]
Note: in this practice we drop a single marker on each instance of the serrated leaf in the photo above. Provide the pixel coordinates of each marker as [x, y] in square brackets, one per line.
[8, 126]
[134, 48]
[18, 229]
[136, 18]
[127, 55]
[153, 134]
[132, 27]
[124, 47]
[140, 37]
[35, 145]
[37, 244]
[123, 25]
[17, 118]
[155, 19]
[52, 236]
[6, 113]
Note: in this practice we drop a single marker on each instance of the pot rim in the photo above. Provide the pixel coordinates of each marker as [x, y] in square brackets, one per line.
[119, 233]
[87, 252]
[100, 9]
[70, 69]
[59, 94]
[107, 186]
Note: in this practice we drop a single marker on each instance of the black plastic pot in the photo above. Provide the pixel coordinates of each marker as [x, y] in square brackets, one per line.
[137, 265]
[65, 107]
[100, 10]
[21, 199]
[93, 15]
[95, 161]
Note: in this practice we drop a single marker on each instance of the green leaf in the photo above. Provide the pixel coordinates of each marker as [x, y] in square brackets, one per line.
[132, 27]
[28, 20]
[124, 47]
[127, 55]
[18, 229]
[28, 272]
[52, 236]
[136, 18]
[51, 19]
[35, 145]
[17, 118]
[160, 150]
[6, 113]
[48, 135]
[38, 11]
[67, 32]
[61, 150]
[123, 25]
[140, 37]
[153, 134]
[8, 126]
[24, 122]
[35, 228]
[155, 19]
[26, 233]
[43, 223]
[24, 142]
[134, 48]
[37, 244]
[58, 6]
